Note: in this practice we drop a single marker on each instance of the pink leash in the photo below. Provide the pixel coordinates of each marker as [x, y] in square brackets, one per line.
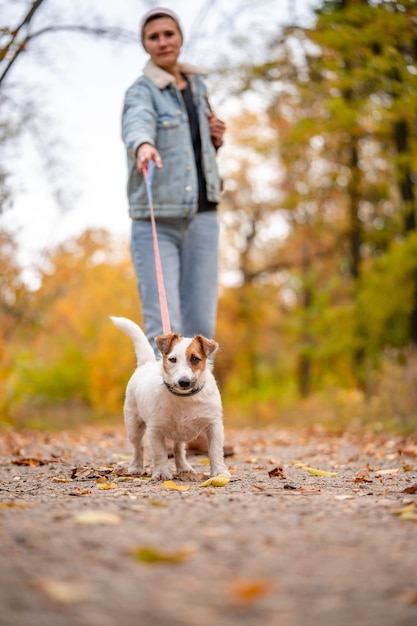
[148, 176]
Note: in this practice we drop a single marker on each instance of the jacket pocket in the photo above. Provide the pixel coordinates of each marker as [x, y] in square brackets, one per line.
[167, 132]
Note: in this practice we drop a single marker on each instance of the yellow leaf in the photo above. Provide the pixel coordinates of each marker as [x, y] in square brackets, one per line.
[317, 472]
[96, 517]
[312, 470]
[13, 505]
[146, 554]
[106, 485]
[216, 481]
[169, 484]
[408, 513]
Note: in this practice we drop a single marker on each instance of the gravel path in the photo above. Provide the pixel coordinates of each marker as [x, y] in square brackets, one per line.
[82, 544]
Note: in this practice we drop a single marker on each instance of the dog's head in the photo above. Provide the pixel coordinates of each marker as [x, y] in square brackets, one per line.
[184, 362]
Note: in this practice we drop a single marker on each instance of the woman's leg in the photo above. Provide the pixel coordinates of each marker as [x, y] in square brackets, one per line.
[199, 275]
[169, 234]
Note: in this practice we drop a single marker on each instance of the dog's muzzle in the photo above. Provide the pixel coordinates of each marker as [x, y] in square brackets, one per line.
[185, 393]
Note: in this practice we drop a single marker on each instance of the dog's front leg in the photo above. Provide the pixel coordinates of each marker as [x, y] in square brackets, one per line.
[160, 469]
[181, 462]
[215, 436]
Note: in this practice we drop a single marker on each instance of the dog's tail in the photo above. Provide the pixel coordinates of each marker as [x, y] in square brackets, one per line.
[143, 349]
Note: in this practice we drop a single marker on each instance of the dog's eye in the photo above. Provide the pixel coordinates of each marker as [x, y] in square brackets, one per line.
[195, 359]
[172, 359]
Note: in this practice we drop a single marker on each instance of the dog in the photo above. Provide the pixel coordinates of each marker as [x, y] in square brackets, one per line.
[174, 398]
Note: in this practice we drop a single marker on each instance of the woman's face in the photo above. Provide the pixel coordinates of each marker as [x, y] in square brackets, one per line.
[162, 40]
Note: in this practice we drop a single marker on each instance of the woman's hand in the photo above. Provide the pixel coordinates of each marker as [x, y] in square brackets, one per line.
[147, 152]
[217, 129]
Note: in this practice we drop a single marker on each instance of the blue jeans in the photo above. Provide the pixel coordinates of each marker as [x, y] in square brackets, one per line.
[189, 257]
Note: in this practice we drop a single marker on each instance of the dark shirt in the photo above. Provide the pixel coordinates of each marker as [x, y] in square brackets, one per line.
[203, 203]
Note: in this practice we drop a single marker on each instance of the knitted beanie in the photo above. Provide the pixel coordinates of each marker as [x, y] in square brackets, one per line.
[159, 12]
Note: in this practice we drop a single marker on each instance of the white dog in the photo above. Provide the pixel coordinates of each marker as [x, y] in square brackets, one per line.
[176, 398]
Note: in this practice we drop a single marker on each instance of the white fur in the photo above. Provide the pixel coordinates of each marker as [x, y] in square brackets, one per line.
[150, 406]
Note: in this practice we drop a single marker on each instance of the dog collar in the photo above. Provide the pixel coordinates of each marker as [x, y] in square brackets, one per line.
[183, 395]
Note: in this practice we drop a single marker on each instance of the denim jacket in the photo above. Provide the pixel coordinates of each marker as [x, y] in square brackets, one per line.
[154, 112]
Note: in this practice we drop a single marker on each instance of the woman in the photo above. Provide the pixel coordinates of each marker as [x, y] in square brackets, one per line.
[167, 119]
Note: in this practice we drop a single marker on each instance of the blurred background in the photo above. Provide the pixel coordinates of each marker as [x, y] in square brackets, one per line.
[318, 286]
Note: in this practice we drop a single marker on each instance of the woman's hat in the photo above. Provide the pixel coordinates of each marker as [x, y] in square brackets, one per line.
[159, 12]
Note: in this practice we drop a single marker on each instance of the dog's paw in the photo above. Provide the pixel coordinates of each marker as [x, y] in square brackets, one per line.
[162, 473]
[136, 469]
[219, 469]
[186, 469]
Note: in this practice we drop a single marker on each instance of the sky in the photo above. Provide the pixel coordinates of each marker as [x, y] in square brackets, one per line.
[69, 167]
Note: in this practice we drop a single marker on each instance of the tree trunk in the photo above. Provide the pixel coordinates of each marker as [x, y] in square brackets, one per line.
[304, 363]
[406, 188]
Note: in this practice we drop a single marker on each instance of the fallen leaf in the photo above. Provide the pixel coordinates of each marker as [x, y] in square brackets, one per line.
[104, 484]
[31, 461]
[13, 505]
[407, 513]
[65, 592]
[318, 472]
[147, 554]
[277, 472]
[259, 487]
[77, 491]
[249, 591]
[312, 470]
[96, 517]
[362, 477]
[411, 489]
[83, 473]
[170, 484]
[56, 479]
[387, 472]
[408, 595]
[216, 481]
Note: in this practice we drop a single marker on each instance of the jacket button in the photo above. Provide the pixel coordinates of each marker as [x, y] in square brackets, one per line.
[188, 188]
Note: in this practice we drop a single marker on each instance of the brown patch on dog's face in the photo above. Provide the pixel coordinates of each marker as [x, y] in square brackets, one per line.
[209, 346]
[198, 351]
[165, 343]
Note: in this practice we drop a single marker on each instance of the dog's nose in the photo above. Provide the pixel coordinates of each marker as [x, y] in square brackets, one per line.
[184, 383]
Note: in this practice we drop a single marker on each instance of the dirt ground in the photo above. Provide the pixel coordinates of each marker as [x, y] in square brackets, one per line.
[84, 544]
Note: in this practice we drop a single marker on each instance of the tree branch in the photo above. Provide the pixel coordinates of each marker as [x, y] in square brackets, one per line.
[114, 34]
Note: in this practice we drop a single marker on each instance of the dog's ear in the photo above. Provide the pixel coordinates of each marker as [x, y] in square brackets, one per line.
[164, 342]
[209, 346]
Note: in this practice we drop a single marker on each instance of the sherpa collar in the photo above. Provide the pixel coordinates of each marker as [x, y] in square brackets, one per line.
[162, 79]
